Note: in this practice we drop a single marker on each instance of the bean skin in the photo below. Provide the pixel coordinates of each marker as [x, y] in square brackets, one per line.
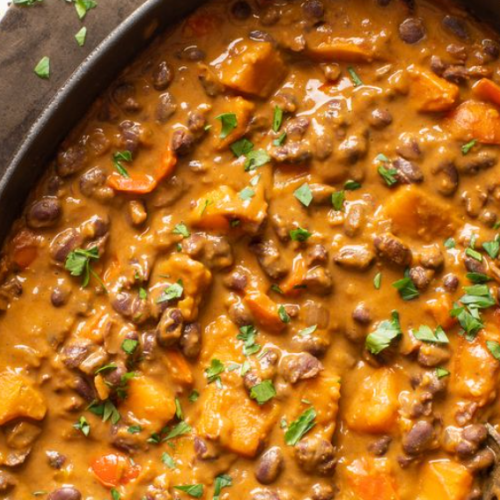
[65, 493]
[269, 466]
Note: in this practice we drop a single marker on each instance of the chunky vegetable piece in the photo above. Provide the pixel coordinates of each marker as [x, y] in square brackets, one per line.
[445, 479]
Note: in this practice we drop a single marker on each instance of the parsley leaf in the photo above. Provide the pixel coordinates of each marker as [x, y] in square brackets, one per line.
[214, 370]
[450, 243]
[300, 234]
[303, 194]
[474, 254]
[284, 316]
[356, 80]
[442, 372]
[277, 118]
[194, 396]
[193, 490]
[83, 426]
[78, 263]
[129, 346]
[115, 494]
[308, 331]
[107, 410]
[241, 147]
[134, 429]
[246, 194]
[26, 3]
[425, 334]
[173, 292]
[179, 430]
[42, 69]
[280, 140]
[492, 248]
[351, 185]
[229, 122]
[385, 333]
[168, 460]
[83, 6]
[81, 36]
[300, 427]
[494, 348]
[338, 199]
[406, 288]
[118, 158]
[388, 174]
[466, 148]
[248, 335]
[222, 481]
[377, 281]
[478, 278]
[182, 229]
[263, 392]
[256, 158]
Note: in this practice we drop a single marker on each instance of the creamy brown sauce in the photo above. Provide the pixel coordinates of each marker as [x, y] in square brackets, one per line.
[201, 295]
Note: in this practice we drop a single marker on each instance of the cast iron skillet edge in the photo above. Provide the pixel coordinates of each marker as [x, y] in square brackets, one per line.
[73, 100]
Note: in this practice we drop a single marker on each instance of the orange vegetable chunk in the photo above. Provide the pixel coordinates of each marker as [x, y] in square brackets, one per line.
[19, 398]
[114, 469]
[243, 110]
[416, 213]
[487, 90]
[374, 408]
[430, 93]
[264, 310]
[254, 68]
[351, 50]
[444, 480]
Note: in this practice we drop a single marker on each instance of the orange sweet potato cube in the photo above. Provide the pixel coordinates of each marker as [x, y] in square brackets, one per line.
[430, 93]
[371, 479]
[444, 480]
[254, 68]
[243, 110]
[374, 408]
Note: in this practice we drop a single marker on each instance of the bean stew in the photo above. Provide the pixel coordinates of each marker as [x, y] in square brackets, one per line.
[266, 266]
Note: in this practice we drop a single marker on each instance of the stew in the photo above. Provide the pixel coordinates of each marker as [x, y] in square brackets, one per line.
[266, 266]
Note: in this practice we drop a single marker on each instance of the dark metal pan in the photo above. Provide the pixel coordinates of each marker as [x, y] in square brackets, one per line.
[93, 76]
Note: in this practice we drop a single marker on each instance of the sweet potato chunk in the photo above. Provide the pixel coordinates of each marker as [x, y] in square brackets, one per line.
[220, 342]
[487, 90]
[431, 94]
[254, 68]
[149, 400]
[219, 207]
[264, 310]
[238, 423]
[415, 213]
[374, 407]
[243, 110]
[371, 479]
[20, 398]
[446, 480]
[476, 120]
[341, 49]
[474, 370]
[195, 279]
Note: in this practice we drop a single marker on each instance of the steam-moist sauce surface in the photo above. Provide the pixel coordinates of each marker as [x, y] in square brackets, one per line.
[264, 266]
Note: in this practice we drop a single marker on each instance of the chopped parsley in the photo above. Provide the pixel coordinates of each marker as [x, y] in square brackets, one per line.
[442, 372]
[134, 429]
[120, 157]
[214, 370]
[182, 229]
[194, 396]
[425, 334]
[300, 427]
[115, 494]
[107, 410]
[377, 281]
[248, 334]
[308, 331]
[338, 199]
[241, 147]
[83, 6]
[275, 288]
[168, 460]
[246, 194]
[221, 481]
[466, 148]
[492, 248]
[263, 392]
[26, 3]
[256, 158]
[385, 333]
[229, 122]
[351, 185]
[478, 278]
[173, 292]
[81, 36]
[474, 254]
[83, 426]
[277, 118]
[178, 409]
[406, 288]
[356, 80]
[284, 316]
[78, 263]
[450, 243]
[303, 194]
[193, 490]
[388, 174]
[494, 348]
[280, 140]
[143, 293]
[300, 234]
[129, 346]
[42, 69]
[180, 429]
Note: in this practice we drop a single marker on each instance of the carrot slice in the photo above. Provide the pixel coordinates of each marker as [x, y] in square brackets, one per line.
[139, 183]
[114, 469]
[264, 310]
[291, 286]
[487, 90]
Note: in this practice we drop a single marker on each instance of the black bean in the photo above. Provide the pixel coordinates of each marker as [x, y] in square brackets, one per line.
[412, 30]
[166, 107]
[236, 280]
[475, 433]
[456, 73]
[269, 466]
[190, 341]
[162, 76]
[356, 257]
[44, 213]
[270, 16]
[302, 366]
[456, 26]
[169, 329]
[124, 96]
[421, 277]
[438, 66]
[56, 460]
[182, 142]
[64, 243]
[430, 355]
[483, 460]
[408, 172]
[393, 250]
[239, 314]
[409, 148]
[65, 493]
[314, 9]
[293, 152]
[450, 282]
[261, 36]
[241, 10]
[85, 389]
[315, 455]
[474, 266]
[352, 149]
[297, 127]
[215, 252]
[270, 259]
[318, 281]
[381, 446]
[92, 180]
[59, 296]
[196, 122]
[193, 53]
[318, 254]
[204, 450]
[131, 135]
[74, 354]
[71, 161]
[419, 438]
[446, 178]
[491, 49]
[362, 314]
[315, 314]
[380, 118]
